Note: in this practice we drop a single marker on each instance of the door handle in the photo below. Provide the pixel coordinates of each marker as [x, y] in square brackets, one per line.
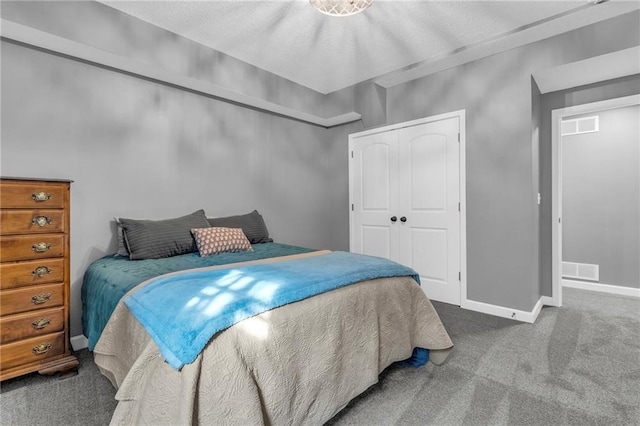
[394, 219]
[403, 219]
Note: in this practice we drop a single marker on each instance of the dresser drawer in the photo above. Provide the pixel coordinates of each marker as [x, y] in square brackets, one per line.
[32, 221]
[31, 350]
[32, 272]
[32, 195]
[26, 247]
[31, 324]
[31, 298]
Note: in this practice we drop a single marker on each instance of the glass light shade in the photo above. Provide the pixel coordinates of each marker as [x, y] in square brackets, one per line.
[340, 7]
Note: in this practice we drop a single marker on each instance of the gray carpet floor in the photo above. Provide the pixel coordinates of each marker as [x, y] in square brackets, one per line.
[577, 365]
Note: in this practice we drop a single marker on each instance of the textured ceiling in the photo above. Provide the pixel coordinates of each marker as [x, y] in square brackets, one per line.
[292, 40]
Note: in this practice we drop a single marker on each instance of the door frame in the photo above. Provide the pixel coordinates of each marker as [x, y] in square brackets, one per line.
[461, 114]
[556, 183]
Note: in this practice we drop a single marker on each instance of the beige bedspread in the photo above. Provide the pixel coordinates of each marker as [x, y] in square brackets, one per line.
[297, 364]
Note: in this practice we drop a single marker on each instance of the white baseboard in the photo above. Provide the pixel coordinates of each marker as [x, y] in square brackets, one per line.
[536, 309]
[79, 342]
[501, 311]
[604, 288]
[549, 301]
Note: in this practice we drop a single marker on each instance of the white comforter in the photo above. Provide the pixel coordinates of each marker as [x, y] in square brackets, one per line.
[297, 364]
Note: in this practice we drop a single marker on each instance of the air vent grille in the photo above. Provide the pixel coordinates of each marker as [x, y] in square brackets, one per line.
[581, 271]
[577, 126]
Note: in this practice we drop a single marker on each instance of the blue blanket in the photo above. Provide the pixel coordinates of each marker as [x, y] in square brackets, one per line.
[182, 312]
[108, 279]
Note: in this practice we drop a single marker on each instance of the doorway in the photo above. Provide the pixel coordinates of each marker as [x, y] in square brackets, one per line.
[567, 123]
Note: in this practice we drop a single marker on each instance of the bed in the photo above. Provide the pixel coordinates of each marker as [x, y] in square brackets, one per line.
[299, 363]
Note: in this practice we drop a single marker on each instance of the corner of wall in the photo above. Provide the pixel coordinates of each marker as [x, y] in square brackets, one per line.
[370, 101]
[536, 99]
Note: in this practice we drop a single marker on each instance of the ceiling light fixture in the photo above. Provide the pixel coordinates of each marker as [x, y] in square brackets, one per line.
[340, 7]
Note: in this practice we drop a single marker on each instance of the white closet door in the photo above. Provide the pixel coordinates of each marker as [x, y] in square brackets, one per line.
[429, 196]
[374, 181]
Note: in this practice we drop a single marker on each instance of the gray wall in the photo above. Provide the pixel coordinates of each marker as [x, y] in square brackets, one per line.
[96, 25]
[503, 252]
[611, 89]
[139, 149]
[601, 197]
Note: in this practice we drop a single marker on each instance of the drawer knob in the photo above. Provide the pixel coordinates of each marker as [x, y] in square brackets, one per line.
[41, 349]
[41, 247]
[41, 221]
[40, 271]
[40, 197]
[41, 298]
[41, 323]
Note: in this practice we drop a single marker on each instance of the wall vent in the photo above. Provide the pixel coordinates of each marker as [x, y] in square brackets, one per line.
[577, 126]
[581, 271]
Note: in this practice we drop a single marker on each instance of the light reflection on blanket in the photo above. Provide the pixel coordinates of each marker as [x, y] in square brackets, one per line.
[182, 312]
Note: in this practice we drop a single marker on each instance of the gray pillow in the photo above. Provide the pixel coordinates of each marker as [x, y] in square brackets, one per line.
[154, 239]
[252, 225]
[122, 246]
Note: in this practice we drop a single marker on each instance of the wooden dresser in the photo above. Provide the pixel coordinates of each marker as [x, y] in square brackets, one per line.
[34, 277]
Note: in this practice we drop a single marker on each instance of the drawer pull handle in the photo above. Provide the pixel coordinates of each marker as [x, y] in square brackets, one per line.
[41, 221]
[41, 349]
[41, 247]
[41, 323]
[41, 298]
[40, 197]
[40, 271]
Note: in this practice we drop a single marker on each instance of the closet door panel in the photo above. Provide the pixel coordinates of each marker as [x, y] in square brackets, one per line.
[429, 188]
[373, 175]
[376, 177]
[429, 253]
[376, 241]
[428, 173]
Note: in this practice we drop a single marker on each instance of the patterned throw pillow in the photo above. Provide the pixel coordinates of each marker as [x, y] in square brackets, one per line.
[216, 240]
